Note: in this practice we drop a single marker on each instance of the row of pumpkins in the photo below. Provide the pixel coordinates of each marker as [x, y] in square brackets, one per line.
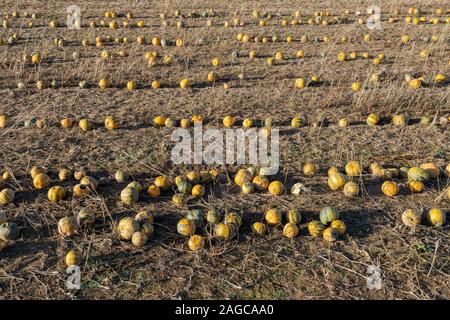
[229, 121]
[249, 180]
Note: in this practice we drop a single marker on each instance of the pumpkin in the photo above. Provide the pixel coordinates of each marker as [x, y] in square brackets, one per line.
[79, 174]
[121, 176]
[6, 196]
[416, 186]
[390, 188]
[433, 171]
[67, 226]
[247, 123]
[328, 214]
[356, 86]
[35, 171]
[276, 188]
[153, 191]
[447, 170]
[315, 228]
[196, 242]
[84, 125]
[399, 120]
[260, 183]
[56, 194]
[72, 258]
[9, 231]
[294, 216]
[336, 181]
[169, 123]
[330, 234]
[80, 190]
[233, 218]
[197, 216]
[85, 217]
[332, 170]
[41, 181]
[183, 186]
[127, 227]
[415, 83]
[309, 169]
[223, 231]
[186, 227]
[139, 239]
[197, 191]
[436, 217]
[290, 230]
[163, 182]
[339, 226]
[300, 83]
[129, 195]
[228, 121]
[110, 123]
[273, 216]
[90, 182]
[242, 176]
[376, 170]
[147, 229]
[184, 83]
[64, 174]
[351, 189]
[411, 218]
[66, 123]
[213, 216]
[248, 188]
[352, 169]
[372, 119]
[417, 174]
[440, 78]
[259, 228]
[144, 216]
[136, 185]
[185, 123]
[193, 177]
[205, 176]
[179, 198]
[344, 122]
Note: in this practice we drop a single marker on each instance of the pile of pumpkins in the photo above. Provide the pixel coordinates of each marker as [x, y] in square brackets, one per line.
[249, 182]
[138, 229]
[222, 226]
[9, 231]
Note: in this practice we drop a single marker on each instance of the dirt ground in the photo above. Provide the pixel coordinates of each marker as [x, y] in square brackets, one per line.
[414, 263]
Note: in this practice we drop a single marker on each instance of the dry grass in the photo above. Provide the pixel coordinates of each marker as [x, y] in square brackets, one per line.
[414, 263]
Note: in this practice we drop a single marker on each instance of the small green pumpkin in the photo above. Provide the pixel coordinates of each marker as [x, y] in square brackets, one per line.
[328, 214]
[213, 216]
[197, 216]
[185, 187]
[9, 231]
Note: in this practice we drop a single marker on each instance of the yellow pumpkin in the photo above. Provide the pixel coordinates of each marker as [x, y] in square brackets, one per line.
[276, 188]
[259, 228]
[163, 182]
[290, 230]
[197, 191]
[336, 181]
[261, 183]
[372, 119]
[351, 189]
[376, 170]
[447, 169]
[184, 83]
[300, 83]
[80, 190]
[35, 171]
[417, 174]
[415, 83]
[104, 84]
[6, 196]
[90, 182]
[273, 216]
[79, 174]
[294, 216]
[41, 181]
[411, 218]
[353, 169]
[242, 176]
[143, 216]
[330, 234]
[223, 231]
[186, 227]
[72, 258]
[233, 218]
[356, 86]
[66, 123]
[159, 121]
[179, 198]
[110, 123]
[85, 124]
[85, 217]
[185, 123]
[121, 176]
[431, 169]
[155, 84]
[228, 121]
[127, 227]
[248, 188]
[316, 228]
[196, 242]
[344, 122]
[64, 174]
[129, 195]
[436, 217]
[339, 226]
[139, 239]
[67, 226]
[309, 169]
[416, 186]
[56, 194]
[390, 188]
[153, 191]
[332, 170]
